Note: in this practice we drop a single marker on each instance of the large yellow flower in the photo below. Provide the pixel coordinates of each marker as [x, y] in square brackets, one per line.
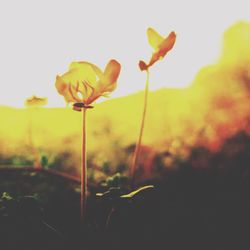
[160, 45]
[84, 82]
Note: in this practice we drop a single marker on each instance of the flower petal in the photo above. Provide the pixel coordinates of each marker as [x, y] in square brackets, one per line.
[63, 89]
[97, 70]
[112, 71]
[82, 71]
[108, 82]
[76, 78]
[143, 65]
[85, 82]
[167, 44]
[164, 48]
[154, 38]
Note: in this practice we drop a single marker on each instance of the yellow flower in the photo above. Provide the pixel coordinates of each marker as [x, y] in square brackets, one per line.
[160, 45]
[35, 101]
[84, 82]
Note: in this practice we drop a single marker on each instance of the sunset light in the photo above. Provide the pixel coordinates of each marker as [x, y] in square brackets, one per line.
[43, 39]
[124, 125]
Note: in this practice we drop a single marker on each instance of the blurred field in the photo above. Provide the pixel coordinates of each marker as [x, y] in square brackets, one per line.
[112, 125]
[214, 108]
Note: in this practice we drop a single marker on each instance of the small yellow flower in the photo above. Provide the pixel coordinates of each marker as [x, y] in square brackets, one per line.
[35, 101]
[160, 45]
[84, 82]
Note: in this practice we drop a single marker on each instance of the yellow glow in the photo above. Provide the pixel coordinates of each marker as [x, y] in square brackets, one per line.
[214, 107]
[45, 46]
[85, 82]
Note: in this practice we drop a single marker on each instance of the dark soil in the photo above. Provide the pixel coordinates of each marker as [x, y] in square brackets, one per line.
[189, 209]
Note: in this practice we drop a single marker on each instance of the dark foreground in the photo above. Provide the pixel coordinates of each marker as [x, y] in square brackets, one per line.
[186, 209]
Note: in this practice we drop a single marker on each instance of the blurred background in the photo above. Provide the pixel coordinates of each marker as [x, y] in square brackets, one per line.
[199, 99]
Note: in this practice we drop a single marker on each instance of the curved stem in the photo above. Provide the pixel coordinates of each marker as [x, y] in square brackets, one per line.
[109, 217]
[138, 145]
[83, 168]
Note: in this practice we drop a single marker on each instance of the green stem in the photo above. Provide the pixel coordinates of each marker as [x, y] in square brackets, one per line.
[138, 145]
[83, 168]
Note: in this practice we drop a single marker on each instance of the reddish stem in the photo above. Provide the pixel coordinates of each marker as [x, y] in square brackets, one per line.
[83, 168]
[138, 145]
